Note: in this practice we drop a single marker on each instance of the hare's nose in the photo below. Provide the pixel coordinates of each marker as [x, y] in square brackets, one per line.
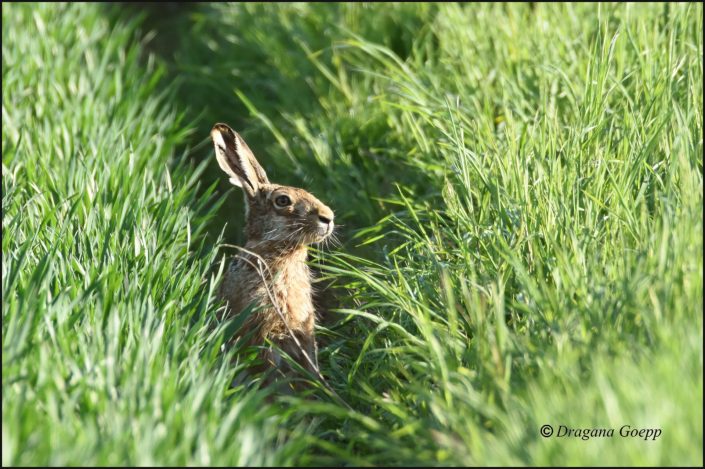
[325, 215]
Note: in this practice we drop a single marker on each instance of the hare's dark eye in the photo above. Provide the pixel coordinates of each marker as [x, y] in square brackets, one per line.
[282, 201]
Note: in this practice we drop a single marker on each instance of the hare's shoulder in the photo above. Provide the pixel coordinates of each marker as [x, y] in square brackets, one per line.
[241, 286]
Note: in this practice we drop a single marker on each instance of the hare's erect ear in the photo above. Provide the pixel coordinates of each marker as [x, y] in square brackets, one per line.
[237, 160]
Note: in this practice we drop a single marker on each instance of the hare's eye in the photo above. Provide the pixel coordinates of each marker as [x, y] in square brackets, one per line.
[282, 201]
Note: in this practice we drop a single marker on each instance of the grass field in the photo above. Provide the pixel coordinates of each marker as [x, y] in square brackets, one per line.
[521, 199]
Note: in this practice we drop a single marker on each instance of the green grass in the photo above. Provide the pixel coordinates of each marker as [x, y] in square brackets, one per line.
[520, 189]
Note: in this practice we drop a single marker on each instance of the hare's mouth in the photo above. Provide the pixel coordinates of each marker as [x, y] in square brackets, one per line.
[324, 229]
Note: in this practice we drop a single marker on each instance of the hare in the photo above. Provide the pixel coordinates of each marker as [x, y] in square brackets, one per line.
[271, 273]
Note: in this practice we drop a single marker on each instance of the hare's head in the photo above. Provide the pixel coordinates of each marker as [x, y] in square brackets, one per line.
[289, 215]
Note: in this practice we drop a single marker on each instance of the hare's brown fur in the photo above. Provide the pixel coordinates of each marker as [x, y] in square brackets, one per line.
[271, 273]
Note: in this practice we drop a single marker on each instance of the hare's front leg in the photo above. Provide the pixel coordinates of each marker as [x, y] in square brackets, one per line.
[308, 341]
[306, 345]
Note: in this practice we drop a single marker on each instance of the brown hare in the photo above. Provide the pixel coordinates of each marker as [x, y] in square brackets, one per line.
[271, 273]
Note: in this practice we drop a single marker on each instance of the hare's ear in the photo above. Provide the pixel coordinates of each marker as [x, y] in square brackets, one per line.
[237, 160]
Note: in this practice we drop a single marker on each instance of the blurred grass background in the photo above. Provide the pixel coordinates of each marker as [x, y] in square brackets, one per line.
[520, 189]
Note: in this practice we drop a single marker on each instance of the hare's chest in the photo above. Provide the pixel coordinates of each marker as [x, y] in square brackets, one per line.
[292, 289]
